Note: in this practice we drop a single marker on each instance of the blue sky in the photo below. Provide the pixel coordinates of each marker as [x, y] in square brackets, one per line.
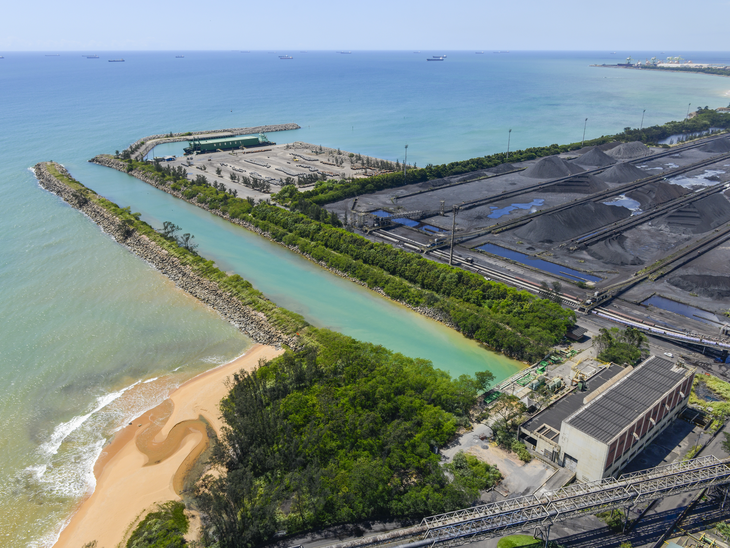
[83, 25]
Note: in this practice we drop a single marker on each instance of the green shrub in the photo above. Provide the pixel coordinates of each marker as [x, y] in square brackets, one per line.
[162, 529]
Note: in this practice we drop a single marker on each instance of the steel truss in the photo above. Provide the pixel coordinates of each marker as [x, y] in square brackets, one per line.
[578, 499]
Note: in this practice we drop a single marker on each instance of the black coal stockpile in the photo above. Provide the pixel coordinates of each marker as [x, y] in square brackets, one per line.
[629, 151]
[718, 146]
[622, 173]
[613, 251]
[701, 216]
[567, 224]
[583, 183]
[714, 287]
[551, 167]
[595, 157]
[657, 193]
[502, 168]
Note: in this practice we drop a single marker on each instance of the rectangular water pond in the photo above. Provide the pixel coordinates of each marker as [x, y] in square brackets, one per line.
[539, 264]
[683, 309]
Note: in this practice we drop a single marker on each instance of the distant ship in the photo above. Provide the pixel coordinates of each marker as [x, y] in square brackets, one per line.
[479, 52]
[436, 58]
[116, 60]
[53, 55]
[285, 57]
[179, 57]
[416, 52]
[345, 52]
[245, 52]
[91, 56]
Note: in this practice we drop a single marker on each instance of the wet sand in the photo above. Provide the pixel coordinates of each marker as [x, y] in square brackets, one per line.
[147, 461]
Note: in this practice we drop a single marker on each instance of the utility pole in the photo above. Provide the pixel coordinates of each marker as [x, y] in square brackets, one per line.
[642, 120]
[509, 137]
[454, 209]
[584, 132]
[405, 167]
[689, 105]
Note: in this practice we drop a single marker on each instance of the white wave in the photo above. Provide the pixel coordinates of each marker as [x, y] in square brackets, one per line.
[216, 360]
[64, 430]
[150, 380]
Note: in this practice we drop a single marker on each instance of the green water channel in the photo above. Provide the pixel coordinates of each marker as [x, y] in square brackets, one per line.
[293, 282]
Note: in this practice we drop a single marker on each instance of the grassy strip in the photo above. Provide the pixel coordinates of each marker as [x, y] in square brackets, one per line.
[326, 192]
[286, 321]
[505, 319]
[720, 388]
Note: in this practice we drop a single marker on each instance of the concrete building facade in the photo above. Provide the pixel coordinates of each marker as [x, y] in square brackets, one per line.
[601, 437]
[596, 432]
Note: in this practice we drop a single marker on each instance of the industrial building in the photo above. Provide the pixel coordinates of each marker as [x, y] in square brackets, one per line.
[596, 432]
[199, 146]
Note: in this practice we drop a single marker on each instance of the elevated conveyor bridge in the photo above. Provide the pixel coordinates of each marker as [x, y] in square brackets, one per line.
[578, 499]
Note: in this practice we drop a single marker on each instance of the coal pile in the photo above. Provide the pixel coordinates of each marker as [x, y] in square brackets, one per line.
[501, 168]
[701, 216]
[657, 193]
[629, 151]
[713, 287]
[622, 173]
[583, 183]
[552, 167]
[613, 251]
[718, 146]
[595, 157]
[564, 225]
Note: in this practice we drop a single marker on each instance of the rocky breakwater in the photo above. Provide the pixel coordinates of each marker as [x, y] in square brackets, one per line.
[111, 162]
[146, 144]
[251, 322]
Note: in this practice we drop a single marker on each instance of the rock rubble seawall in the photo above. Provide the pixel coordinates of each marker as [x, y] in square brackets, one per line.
[151, 141]
[249, 321]
[108, 161]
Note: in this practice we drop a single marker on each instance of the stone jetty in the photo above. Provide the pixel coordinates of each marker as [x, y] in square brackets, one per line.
[252, 323]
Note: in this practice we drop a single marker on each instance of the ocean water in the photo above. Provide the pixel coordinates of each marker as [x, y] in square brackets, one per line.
[92, 336]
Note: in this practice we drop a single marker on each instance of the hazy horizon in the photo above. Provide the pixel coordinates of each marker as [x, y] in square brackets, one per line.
[562, 25]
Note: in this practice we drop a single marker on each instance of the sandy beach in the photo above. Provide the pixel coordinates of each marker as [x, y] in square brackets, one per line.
[147, 460]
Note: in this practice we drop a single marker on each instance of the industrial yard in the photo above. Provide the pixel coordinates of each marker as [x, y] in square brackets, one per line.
[256, 168]
[614, 226]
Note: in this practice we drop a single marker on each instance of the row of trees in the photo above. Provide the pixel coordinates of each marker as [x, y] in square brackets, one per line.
[507, 320]
[335, 434]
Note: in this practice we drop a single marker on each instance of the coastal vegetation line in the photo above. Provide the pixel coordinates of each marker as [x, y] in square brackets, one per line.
[513, 322]
[333, 432]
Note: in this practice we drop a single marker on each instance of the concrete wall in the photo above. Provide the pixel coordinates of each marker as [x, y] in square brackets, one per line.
[589, 452]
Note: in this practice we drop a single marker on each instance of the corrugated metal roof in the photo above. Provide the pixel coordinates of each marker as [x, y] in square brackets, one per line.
[632, 396]
[554, 415]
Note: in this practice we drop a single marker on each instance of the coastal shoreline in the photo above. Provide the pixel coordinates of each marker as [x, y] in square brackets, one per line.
[146, 461]
[112, 163]
[251, 322]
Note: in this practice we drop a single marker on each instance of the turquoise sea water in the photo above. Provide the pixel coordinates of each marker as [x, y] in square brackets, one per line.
[85, 323]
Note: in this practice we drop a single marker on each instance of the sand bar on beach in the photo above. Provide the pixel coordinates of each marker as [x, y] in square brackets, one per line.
[146, 460]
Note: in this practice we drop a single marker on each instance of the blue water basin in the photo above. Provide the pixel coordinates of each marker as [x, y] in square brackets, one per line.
[539, 264]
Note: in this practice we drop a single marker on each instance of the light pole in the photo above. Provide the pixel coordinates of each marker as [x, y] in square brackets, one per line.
[405, 167]
[584, 132]
[509, 137]
[642, 119]
[689, 105]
